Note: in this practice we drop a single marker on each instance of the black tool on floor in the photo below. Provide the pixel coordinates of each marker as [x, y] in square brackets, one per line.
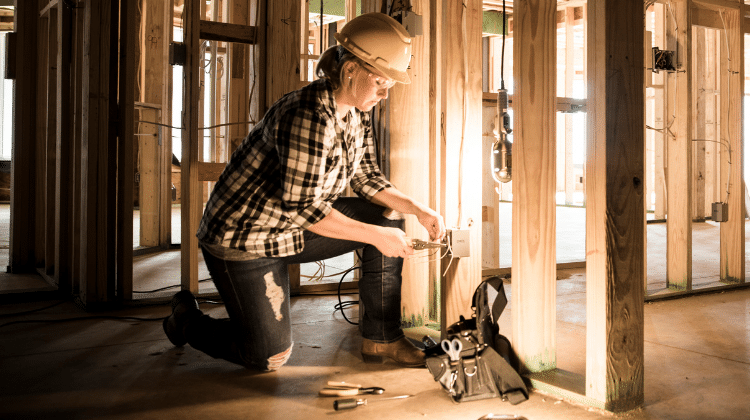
[347, 403]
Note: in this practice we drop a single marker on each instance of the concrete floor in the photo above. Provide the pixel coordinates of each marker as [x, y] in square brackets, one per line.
[697, 366]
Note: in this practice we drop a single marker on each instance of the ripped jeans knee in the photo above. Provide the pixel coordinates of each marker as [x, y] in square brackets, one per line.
[278, 360]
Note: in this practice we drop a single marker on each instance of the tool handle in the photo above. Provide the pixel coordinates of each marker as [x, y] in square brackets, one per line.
[339, 392]
[347, 403]
[343, 384]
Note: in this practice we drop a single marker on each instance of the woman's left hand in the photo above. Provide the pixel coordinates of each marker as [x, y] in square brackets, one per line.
[434, 224]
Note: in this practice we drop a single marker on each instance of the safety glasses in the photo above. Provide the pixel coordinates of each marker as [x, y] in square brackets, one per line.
[381, 82]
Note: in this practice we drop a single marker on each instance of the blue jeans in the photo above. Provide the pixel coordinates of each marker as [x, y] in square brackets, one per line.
[256, 296]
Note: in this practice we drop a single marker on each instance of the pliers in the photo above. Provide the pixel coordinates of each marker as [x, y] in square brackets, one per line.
[419, 244]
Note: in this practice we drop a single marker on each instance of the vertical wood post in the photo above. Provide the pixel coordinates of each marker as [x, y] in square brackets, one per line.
[661, 120]
[679, 153]
[732, 87]
[410, 163]
[569, 182]
[50, 144]
[461, 83]
[490, 197]
[437, 136]
[63, 151]
[22, 190]
[125, 167]
[96, 213]
[534, 179]
[283, 66]
[192, 196]
[615, 219]
[152, 65]
[699, 128]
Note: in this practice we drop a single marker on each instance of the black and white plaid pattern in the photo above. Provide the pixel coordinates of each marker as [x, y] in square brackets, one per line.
[288, 171]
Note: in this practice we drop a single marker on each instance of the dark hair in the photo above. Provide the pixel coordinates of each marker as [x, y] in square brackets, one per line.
[331, 62]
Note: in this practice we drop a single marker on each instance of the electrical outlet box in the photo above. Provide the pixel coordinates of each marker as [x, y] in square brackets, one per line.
[663, 60]
[719, 212]
[177, 54]
[411, 21]
[459, 241]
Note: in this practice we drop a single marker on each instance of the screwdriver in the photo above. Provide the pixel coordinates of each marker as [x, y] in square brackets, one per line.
[348, 403]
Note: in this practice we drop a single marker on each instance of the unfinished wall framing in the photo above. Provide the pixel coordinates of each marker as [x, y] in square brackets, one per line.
[86, 124]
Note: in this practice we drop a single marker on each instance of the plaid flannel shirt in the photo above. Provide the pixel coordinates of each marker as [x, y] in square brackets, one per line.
[288, 171]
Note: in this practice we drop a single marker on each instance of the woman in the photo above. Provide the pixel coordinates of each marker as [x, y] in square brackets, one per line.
[278, 203]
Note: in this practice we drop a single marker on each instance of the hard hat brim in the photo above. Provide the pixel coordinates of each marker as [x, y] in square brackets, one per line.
[398, 76]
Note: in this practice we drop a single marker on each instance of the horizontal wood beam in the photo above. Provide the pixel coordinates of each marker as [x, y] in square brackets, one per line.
[210, 171]
[227, 32]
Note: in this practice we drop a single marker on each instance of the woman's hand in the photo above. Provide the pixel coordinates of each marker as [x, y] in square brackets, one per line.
[433, 222]
[392, 242]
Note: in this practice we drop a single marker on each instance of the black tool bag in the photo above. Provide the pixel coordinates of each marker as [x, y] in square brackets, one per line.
[485, 367]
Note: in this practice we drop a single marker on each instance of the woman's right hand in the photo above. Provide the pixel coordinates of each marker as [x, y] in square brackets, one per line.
[392, 242]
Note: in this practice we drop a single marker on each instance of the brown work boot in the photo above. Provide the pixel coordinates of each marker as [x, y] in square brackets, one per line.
[184, 307]
[402, 352]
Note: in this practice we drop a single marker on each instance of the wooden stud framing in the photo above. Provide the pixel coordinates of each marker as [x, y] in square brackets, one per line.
[437, 147]
[227, 32]
[714, 150]
[63, 152]
[679, 152]
[568, 180]
[50, 146]
[699, 128]
[534, 179]
[125, 167]
[490, 198]
[282, 67]
[191, 208]
[97, 213]
[409, 160]
[461, 85]
[153, 167]
[239, 81]
[282, 37]
[732, 257]
[615, 216]
[77, 100]
[23, 187]
[661, 120]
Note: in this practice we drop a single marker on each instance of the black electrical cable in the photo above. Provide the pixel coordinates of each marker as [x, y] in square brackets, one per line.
[343, 305]
[166, 287]
[502, 52]
[34, 310]
[81, 318]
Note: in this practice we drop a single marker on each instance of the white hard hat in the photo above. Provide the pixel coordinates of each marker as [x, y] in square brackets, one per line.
[380, 41]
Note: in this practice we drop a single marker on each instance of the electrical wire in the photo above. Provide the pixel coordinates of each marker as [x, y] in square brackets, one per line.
[502, 52]
[449, 250]
[33, 310]
[729, 100]
[81, 318]
[465, 64]
[343, 305]
[167, 287]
